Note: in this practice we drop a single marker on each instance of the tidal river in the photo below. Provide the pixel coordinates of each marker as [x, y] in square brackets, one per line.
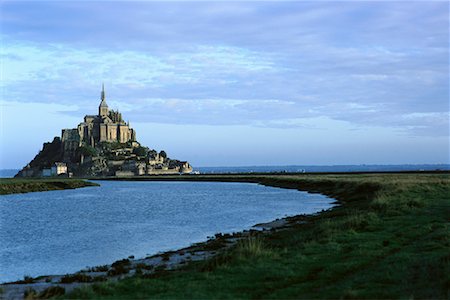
[60, 232]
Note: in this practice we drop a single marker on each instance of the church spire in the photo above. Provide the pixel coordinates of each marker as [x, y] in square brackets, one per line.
[103, 92]
[103, 108]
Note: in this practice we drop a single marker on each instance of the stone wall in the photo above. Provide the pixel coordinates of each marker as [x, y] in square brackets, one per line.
[124, 173]
[70, 140]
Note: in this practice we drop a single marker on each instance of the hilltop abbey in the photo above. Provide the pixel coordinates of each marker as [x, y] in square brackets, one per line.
[101, 145]
[107, 126]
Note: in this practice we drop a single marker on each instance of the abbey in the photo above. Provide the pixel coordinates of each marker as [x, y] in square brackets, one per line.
[107, 126]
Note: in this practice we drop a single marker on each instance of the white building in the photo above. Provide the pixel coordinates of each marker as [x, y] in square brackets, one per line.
[57, 169]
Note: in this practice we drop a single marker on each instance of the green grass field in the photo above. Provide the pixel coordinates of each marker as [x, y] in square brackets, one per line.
[389, 238]
[16, 185]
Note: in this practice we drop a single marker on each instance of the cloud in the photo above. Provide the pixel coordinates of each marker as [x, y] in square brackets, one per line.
[24, 62]
[259, 63]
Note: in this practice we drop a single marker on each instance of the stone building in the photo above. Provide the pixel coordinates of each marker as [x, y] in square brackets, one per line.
[107, 126]
[57, 169]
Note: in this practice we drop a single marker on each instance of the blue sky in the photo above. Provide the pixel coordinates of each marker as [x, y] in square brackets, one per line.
[233, 83]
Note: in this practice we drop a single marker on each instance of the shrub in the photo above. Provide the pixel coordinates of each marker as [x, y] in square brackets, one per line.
[27, 279]
[88, 151]
[118, 271]
[78, 277]
[214, 244]
[140, 151]
[119, 267]
[102, 268]
[144, 266]
[122, 262]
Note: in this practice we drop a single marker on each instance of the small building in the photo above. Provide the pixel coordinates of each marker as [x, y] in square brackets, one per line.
[185, 167]
[155, 159]
[46, 172]
[140, 168]
[57, 169]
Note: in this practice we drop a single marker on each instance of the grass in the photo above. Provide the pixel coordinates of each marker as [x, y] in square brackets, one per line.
[49, 292]
[389, 238]
[19, 185]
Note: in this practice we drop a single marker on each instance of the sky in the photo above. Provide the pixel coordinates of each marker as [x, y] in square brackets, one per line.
[230, 83]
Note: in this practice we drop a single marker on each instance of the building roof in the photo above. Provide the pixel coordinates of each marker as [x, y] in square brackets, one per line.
[103, 103]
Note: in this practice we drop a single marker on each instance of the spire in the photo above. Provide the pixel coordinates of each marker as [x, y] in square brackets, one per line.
[103, 92]
[103, 100]
[103, 108]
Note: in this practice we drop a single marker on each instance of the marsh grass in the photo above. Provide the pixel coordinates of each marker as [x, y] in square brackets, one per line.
[50, 292]
[22, 185]
[253, 248]
[388, 239]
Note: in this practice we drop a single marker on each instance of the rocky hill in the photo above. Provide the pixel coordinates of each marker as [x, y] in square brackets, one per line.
[102, 145]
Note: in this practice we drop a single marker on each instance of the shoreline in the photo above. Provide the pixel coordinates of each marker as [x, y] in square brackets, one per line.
[16, 289]
[383, 213]
[13, 185]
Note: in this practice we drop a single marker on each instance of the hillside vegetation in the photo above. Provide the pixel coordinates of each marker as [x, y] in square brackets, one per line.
[389, 238]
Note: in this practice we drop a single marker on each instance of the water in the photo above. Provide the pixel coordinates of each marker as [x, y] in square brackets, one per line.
[8, 173]
[58, 232]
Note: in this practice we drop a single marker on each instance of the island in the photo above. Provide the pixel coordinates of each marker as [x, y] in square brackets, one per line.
[102, 145]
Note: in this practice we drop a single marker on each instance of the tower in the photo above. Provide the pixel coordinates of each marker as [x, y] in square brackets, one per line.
[103, 108]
